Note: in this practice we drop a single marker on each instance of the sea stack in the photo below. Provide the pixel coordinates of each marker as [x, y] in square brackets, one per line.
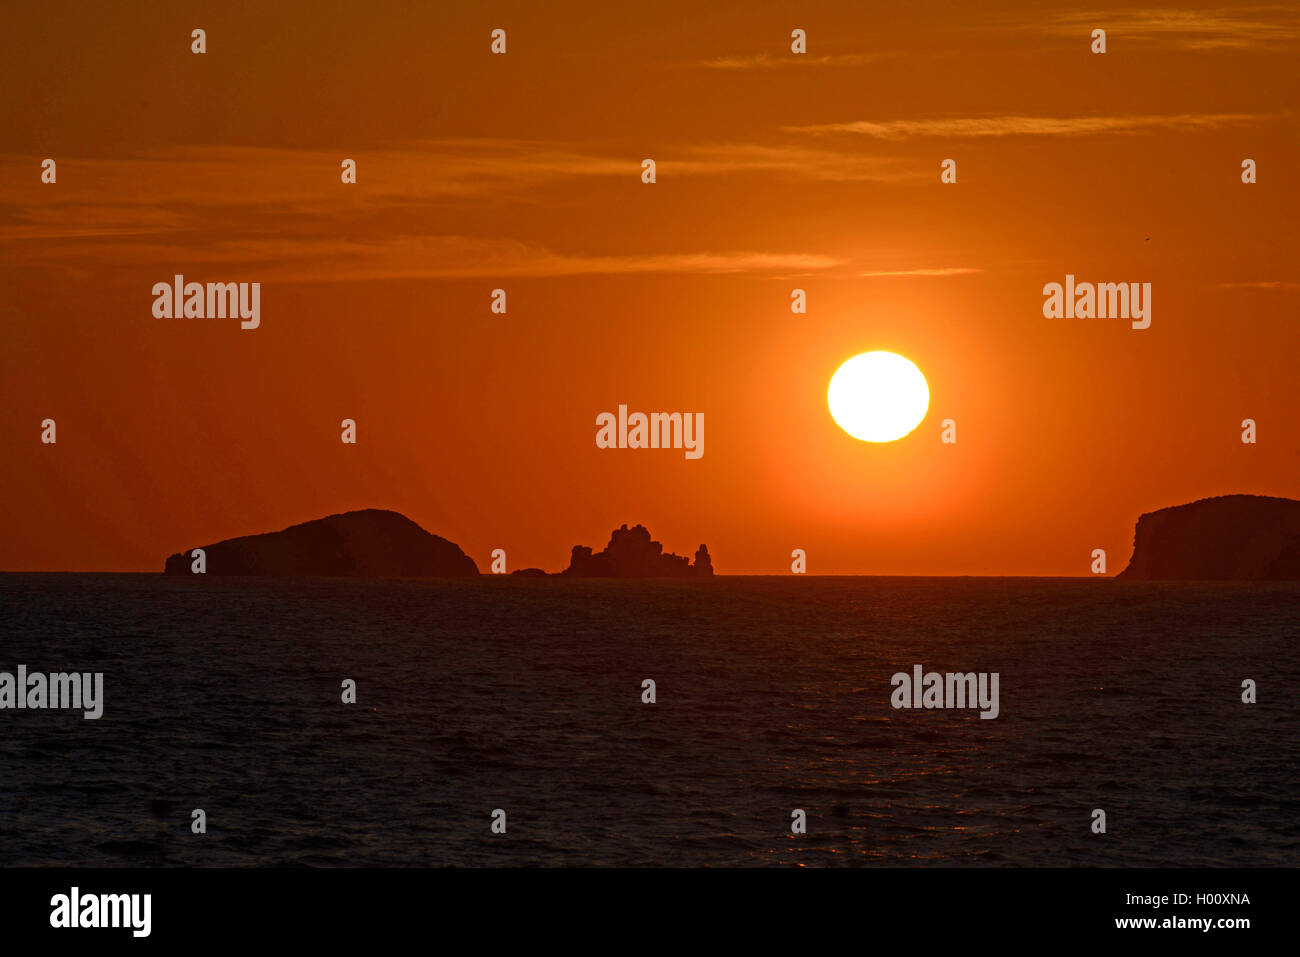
[631, 553]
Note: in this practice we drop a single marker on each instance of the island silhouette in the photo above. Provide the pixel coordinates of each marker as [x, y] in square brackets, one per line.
[1225, 538]
[379, 543]
[632, 554]
[369, 543]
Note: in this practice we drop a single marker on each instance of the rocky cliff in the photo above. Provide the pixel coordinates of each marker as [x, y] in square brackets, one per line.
[1231, 537]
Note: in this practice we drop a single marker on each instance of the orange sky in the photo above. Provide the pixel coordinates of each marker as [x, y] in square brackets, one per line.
[522, 171]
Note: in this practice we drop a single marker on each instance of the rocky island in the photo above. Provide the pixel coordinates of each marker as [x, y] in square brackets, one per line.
[632, 554]
[1229, 537]
[369, 543]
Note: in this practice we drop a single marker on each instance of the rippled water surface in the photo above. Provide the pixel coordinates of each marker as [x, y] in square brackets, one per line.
[773, 694]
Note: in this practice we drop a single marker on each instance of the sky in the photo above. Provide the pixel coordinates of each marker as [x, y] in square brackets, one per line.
[523, 171]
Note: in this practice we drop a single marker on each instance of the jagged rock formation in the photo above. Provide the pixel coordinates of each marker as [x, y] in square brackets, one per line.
[1230, 537]
[632, 554]
[370, 543]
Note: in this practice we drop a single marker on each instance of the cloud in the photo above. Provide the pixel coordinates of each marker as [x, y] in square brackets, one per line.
[766, 61]
[1262, 284]
[794, 161]
[226, 175]
[306, 259]
[282, 213]
[179, 189]
[452, 257]
[1262, 27]
[415, 173]
[1016, 125]
[943, 271]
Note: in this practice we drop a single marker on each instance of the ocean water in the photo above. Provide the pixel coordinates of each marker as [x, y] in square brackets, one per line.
[773, 694]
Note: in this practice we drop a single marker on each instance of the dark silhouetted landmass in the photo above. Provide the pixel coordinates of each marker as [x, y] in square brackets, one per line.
[370, 543]
[1231, 537]
[529, 572]
[631, 554]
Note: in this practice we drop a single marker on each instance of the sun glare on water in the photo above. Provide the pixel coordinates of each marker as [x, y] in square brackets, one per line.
[878, 396]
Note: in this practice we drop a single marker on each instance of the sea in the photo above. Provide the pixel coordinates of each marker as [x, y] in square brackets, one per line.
[522, 703]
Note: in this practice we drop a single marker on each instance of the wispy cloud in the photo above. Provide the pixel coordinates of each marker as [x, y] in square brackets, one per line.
[284, 213]
[297, 259]
[425, 170]
[1016, 125]
[487, 169]
[768, 61]
[790, 160]
[446, 257]
[1260, 27]
[1262, 284]
[450, 257]
[943, 271]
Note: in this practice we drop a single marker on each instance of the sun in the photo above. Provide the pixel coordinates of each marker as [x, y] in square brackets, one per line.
[878, 396]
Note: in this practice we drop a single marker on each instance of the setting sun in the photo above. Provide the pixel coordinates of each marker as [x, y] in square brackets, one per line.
[878, 396]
